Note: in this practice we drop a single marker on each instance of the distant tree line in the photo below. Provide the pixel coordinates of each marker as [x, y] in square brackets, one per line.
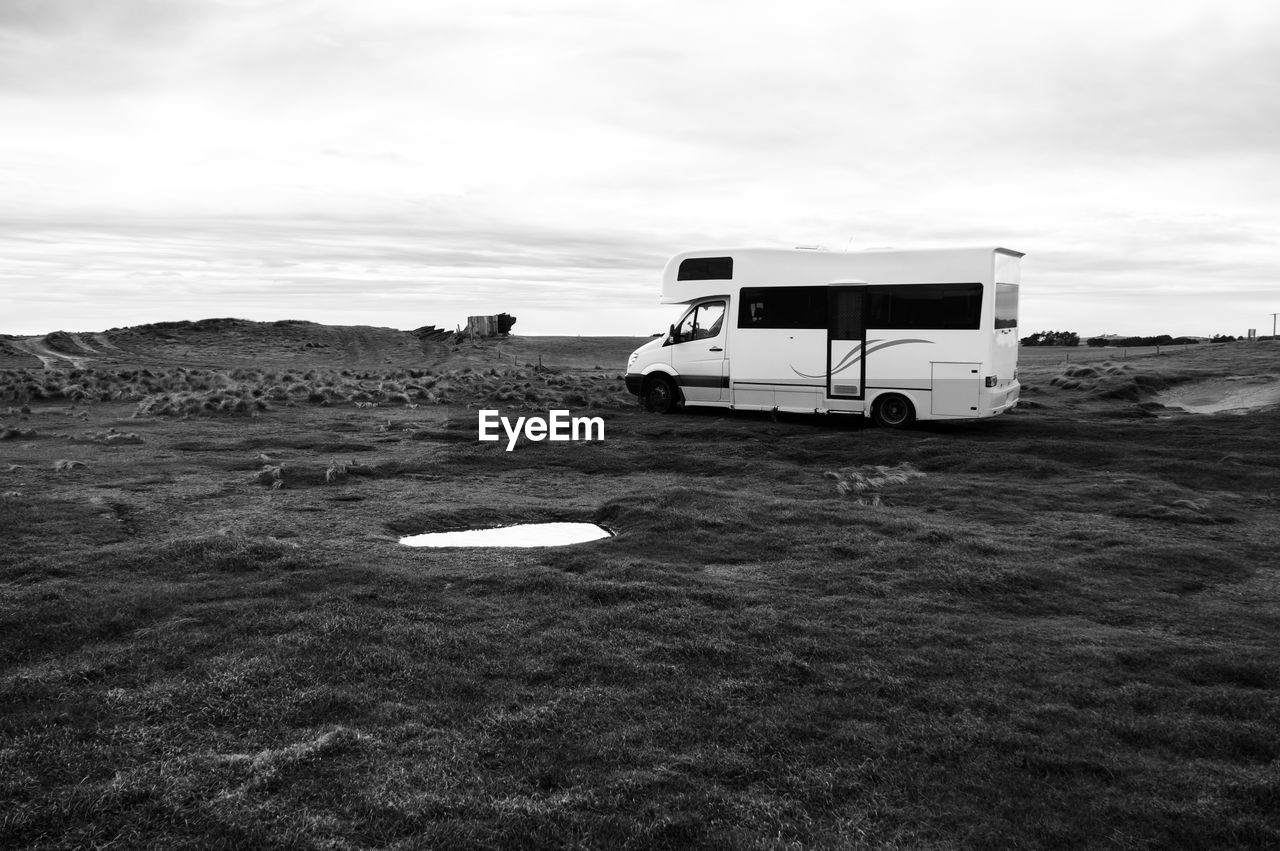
[1052, 338]
[1160, 340]
[1071, 338]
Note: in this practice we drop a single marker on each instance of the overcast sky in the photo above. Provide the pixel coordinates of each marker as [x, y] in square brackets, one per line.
[411, 163]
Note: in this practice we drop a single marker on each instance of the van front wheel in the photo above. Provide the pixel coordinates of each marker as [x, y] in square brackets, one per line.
[660, 395]
[893, 411]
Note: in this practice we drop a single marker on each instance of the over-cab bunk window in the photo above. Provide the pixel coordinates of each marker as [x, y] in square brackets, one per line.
[705, 269]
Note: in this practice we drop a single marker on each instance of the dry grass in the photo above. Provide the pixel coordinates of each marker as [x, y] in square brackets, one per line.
[180, 392]
[1124, 381]
[110, 437]
[1065, 635]
[271, 475]
[865, 484]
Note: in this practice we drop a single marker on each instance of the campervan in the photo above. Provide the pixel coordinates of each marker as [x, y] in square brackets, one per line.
[895, 335]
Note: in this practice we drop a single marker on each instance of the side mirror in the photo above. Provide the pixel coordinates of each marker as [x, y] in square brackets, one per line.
[671, 335]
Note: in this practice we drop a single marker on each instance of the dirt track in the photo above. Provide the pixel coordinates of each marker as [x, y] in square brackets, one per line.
[49, 357]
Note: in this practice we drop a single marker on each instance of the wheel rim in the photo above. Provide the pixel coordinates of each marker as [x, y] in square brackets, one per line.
[659, 396]
[894, 411]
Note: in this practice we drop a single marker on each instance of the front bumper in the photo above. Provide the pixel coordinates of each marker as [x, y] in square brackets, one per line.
[635, 382]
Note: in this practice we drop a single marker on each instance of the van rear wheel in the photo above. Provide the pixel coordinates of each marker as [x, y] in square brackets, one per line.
[660, 395]
[893, 411]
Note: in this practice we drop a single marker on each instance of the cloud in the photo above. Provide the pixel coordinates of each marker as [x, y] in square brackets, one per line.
[557, 153]
[390, 273]
[69, 49]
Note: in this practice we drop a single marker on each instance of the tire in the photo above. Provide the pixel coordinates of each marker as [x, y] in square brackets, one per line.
[660, 395]
[893, 411]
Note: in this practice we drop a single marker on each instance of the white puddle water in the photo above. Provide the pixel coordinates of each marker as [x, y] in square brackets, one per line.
[1233, 395]
[523, 535]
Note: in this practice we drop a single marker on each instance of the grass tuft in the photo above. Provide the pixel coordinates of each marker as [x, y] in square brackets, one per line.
[271, 475]
[229, 553]
[864, 484]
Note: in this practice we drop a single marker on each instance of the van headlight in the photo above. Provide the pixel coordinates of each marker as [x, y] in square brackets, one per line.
[631, 360]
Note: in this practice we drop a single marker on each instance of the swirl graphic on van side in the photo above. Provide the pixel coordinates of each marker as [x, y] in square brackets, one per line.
[856, 355]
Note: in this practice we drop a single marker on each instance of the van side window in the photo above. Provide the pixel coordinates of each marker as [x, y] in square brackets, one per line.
[1006, 305]
[925, 306]
[702, 323]
[847, 319]
[783, 307]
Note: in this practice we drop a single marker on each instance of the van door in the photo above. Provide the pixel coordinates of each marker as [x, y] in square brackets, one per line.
[847, 342]
[699, 354]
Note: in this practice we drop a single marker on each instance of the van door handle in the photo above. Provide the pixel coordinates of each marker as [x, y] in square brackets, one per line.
[715, 349]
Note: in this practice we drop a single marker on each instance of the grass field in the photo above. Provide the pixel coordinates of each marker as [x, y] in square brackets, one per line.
[1060, 627]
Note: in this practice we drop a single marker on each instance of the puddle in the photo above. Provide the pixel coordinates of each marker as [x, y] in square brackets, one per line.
[523, 535]
[1224, 395]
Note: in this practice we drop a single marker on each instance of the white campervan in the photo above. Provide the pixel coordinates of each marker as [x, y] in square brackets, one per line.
[899, 335]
